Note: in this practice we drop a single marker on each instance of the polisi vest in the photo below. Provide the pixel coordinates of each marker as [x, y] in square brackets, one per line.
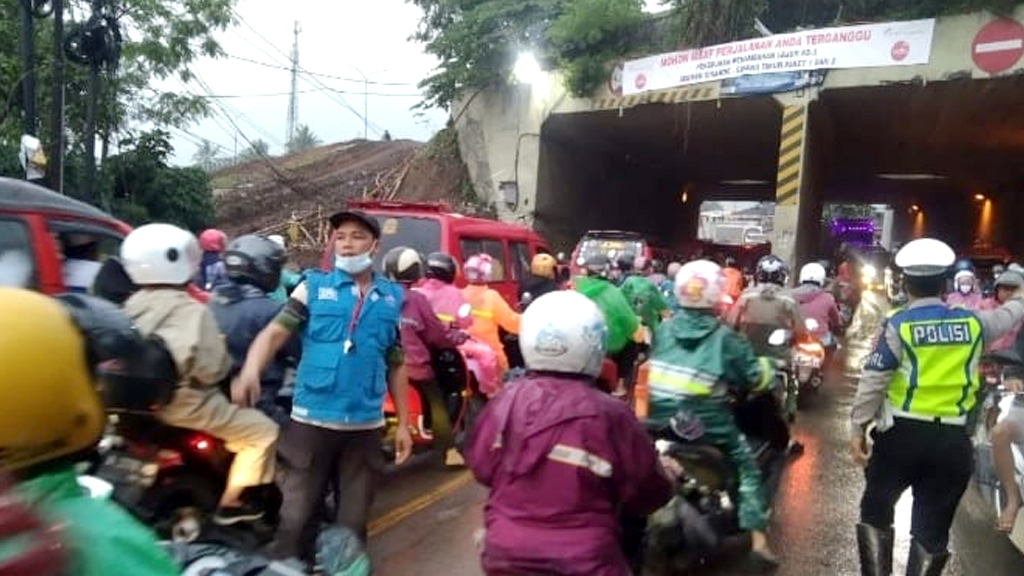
[938, 373]
[342, 375]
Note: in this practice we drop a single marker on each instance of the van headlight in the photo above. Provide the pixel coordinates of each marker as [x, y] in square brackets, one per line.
[868, 272]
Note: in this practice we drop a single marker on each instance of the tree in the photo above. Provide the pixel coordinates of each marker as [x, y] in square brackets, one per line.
[206, 155]
[588, 35]
[161, 40]
[144, 188]
[304, 139]
[257, 149]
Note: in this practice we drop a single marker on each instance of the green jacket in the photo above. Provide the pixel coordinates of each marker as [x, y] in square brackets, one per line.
[104, 539]
[696, 358]
[646, 300]
[618, 314]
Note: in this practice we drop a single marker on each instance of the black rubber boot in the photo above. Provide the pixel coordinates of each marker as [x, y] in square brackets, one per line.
[923, 563]
[875, 549]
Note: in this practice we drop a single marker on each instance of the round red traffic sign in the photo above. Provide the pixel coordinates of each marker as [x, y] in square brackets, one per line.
[998, 45]
[900, 50]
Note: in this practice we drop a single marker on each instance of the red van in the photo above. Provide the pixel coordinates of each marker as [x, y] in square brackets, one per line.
[433, 227]
[35, 223]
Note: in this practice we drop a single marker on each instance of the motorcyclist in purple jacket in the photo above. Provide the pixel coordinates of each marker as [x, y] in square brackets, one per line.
[562, 459]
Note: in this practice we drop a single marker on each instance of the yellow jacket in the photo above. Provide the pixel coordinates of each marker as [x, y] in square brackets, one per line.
[490, 311]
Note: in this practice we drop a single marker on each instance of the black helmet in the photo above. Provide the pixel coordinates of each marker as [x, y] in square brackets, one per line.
[658, 266]
[255, 260]
[962, 265]
[771, 270]
[403, 264]
[596, 265]
[730, 262]
[442, 267]
[134, 372]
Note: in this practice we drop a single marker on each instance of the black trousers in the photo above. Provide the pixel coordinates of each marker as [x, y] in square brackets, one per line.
[936, 461]
[310, 460]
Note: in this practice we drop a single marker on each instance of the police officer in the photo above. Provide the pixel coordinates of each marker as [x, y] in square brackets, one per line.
[918, 386]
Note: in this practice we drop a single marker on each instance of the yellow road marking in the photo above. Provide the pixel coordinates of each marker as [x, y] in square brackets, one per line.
[391, 518]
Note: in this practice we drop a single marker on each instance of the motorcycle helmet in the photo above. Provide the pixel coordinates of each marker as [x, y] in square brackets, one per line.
[212, 240]
[403, 264]
[771, 270]
[812, 273]
[963, 281]
[255, 260]
[699, 285]
[157, 254]
[442, 267]
[730, 262]
[134, 373]
[925, 263]
[49, 408]
[543, 265]
[963, 265]
[657, 266]
[277, 239]
[673, 270]
[479, 269]
[563, 332]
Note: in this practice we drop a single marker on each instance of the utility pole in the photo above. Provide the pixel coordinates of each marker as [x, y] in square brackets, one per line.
[28, 64]
[366, 98]
[56, 167]
[293, 101]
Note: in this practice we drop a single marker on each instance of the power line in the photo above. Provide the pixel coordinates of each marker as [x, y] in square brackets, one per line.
[314, 80]
[330, 89]
[319, 74]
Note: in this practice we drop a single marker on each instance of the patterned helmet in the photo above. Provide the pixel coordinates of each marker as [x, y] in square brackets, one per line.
[479, 269]
[699, 284]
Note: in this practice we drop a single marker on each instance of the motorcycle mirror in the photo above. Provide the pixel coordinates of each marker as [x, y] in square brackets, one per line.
[465, 310]
[811, 324]
[527, 298]
[561, 257]
[778, 337]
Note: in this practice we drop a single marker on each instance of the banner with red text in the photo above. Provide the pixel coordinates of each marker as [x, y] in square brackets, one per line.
[868, 45]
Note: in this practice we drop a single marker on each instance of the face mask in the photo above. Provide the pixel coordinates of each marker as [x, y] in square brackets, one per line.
[964, 288]
[353, 264]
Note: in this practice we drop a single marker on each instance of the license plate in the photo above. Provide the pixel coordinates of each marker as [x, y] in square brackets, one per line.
[809, 361]
[119, 468]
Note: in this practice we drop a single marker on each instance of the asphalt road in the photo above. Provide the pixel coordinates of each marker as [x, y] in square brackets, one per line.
[426, 518]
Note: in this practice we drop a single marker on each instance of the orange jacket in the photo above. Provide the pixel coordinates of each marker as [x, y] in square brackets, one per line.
[489, 312]
[733, 282]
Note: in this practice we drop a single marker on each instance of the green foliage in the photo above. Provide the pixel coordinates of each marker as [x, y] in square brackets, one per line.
[588, 35]
[304, 139]
[477, 41]
[256, 150]
[141, 187]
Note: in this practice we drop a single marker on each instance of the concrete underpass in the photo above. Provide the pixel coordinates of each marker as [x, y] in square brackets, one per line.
[946, 155]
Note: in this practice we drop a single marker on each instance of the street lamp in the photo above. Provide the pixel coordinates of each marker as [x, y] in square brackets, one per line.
[366, 97]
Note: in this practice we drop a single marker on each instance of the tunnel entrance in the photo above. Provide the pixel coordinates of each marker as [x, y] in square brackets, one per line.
[647, 169]
[946, 156]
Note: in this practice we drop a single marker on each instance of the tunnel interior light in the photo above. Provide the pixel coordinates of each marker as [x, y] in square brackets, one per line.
[685, 196]
[527, 69]
[914, 208]
[744, 182]
[979, 197]
[911, 176]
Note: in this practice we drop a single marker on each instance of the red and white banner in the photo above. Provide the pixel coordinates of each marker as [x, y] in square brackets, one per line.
[868, 45]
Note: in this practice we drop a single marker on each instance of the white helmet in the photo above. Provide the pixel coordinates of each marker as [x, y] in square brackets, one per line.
[925, 257]
[160, 254]
[563, 331]
[673, 270]
[699, 284]
[814, 273]
[277, 239]
[962, 275]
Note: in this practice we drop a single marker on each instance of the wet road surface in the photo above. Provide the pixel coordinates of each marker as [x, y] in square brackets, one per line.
[812, 527]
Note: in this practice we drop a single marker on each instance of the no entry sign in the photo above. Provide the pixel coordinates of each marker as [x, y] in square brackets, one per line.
[998, 45]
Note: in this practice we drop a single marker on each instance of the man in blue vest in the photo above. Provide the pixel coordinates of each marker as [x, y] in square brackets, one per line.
[918, 387]
[348, 319]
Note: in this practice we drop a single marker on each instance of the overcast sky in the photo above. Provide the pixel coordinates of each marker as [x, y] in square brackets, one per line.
[340, 40]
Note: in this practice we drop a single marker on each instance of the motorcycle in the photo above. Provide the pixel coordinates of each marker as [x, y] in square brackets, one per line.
[696, 525]
[998, 403]
[442, 413]
[810, 357]
[789, 388]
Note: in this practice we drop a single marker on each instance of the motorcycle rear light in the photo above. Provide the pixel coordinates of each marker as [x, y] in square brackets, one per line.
[169, 459]
[201, 444]
[813, 349]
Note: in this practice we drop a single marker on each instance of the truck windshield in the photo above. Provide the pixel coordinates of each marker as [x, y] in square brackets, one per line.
[420, 233]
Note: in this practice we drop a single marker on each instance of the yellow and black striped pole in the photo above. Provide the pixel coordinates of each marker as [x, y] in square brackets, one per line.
[791, 154]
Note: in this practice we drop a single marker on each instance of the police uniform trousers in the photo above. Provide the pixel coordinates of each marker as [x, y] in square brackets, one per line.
[934, 460]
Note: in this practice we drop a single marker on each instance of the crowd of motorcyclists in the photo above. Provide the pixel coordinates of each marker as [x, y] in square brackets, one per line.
[560, 425]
